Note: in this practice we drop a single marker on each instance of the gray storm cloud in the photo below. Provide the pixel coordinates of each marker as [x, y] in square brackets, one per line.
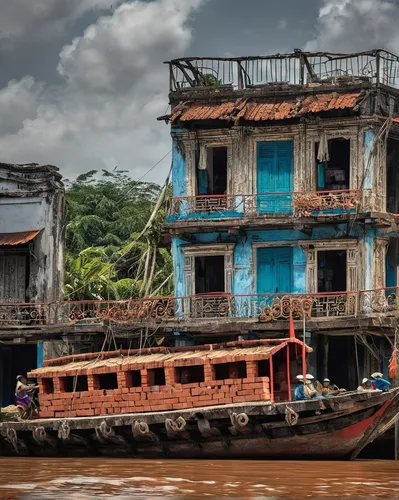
[114, 85]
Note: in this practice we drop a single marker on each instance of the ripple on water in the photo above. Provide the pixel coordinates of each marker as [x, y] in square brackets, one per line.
[116, 479]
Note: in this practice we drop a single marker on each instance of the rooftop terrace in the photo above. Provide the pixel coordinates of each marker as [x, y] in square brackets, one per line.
[375, 67]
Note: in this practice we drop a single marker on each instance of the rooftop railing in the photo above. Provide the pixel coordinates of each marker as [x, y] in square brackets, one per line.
[264, 308]
[298, 68]
[300, 204]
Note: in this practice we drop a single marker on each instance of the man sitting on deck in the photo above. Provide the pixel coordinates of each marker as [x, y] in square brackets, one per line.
[299, 394]
[367, 385]
[309, 388]
[318, 386]
[380, 383]
[329, 388]
[22, 399]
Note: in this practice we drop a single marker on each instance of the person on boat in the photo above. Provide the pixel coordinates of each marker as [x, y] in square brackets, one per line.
[299, 394]
[309, 388]
[23, 393]
[380, 383]
[329, 388]
[318, 386]
[367, 385]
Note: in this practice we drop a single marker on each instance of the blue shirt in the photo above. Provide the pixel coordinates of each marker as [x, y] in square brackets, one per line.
[381, 384]
[299, 394]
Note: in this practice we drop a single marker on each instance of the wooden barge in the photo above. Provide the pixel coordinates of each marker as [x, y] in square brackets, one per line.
[230, 400]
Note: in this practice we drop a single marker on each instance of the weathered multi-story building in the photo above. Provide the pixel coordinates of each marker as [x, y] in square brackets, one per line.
[31, 264]
[285, 202]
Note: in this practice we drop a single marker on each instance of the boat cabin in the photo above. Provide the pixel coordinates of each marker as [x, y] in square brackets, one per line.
[161, 379]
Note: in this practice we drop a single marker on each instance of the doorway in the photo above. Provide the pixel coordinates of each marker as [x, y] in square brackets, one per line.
[212, 180]
[392, 186]
[391, 270]
[209, 274]
[333, 166]
[331, 271]
[342, 362]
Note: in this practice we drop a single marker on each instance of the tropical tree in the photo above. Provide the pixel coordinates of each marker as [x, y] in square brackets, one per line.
[112, 251]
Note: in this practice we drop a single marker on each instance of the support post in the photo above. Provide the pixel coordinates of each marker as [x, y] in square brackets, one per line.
[39, 360]
[325, 357]
[304, 349]
[288, 373]
[271, 379]
[397, 440]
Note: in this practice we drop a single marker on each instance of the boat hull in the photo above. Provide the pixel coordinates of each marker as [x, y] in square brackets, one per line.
[328, 428]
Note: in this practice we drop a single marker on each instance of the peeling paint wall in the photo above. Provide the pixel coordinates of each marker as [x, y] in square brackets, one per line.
[32, 198]
[247, 243]
[242, 164]
[365, 173]
[178, 169]
[369, 159]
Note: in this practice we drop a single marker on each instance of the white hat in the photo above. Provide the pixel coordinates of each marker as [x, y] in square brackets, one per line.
[377, 375]
[365, 380]
[309, 377]
[299, 377]
[326, 380]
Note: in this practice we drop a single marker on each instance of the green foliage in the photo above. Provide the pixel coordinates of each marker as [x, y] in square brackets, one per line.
[106, 212]
[211, 80]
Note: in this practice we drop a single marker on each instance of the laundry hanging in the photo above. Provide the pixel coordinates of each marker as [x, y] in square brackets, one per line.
[323, 155]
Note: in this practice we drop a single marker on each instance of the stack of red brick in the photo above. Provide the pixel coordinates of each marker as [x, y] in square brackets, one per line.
[151, 386]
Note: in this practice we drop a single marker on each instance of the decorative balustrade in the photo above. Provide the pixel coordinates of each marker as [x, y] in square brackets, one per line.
[31, 314]
[152, 311]
[300, 204]
[208, 206]
[305, 204]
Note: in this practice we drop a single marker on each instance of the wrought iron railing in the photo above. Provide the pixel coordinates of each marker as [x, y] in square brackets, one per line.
[298, 68]
[218, 306]
[298, 203]
[325, 201]
[30, 314]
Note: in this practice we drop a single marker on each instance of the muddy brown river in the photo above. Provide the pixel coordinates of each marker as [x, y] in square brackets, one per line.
[86, 479]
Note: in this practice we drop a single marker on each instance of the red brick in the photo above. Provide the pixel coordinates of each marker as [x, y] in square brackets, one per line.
[207, 402]
[85, 413]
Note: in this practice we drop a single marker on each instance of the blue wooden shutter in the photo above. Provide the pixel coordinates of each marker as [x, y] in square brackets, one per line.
[274, 270]
[274, 175]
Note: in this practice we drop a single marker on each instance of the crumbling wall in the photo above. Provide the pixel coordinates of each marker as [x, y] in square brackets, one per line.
[32, 198]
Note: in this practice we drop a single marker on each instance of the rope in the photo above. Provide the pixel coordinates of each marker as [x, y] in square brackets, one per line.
[11, 436]
[291, 417]
[64, 430]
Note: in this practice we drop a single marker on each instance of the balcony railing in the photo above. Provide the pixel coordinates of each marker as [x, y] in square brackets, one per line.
[300, 204]
[220, 306]
[299, 68]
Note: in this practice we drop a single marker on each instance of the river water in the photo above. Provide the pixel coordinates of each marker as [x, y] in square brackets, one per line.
[122, 479]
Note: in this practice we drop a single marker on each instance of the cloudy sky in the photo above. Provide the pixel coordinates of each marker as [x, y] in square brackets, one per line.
[82, 81]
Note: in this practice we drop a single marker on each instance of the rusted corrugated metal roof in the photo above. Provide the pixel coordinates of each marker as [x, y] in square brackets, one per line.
[8, 239]
[263, 111]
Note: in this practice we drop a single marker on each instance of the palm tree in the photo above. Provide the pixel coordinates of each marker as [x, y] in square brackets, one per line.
[108, 256]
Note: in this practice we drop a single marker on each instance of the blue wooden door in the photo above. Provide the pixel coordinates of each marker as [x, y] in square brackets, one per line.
[274, 270]
[274, 176]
